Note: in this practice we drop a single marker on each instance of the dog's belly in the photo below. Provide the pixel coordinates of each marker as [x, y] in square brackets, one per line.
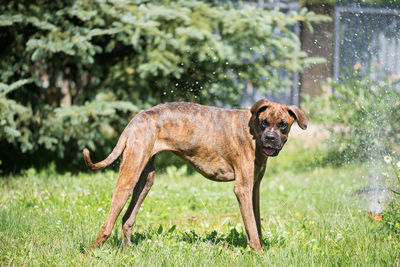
[216, 169]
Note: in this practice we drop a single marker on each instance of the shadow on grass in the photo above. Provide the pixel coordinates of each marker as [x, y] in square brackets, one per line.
[232, 239]
[116, 239]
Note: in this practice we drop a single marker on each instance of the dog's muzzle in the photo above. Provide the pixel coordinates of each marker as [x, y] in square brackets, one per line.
[271, 144]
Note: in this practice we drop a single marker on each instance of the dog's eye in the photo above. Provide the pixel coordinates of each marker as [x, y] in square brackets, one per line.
[264, 123]
[283, 126]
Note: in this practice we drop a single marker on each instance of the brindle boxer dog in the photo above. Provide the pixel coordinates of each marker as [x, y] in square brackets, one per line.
[221, 144]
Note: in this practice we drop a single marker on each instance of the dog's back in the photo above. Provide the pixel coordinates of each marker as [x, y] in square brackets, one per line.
[182, 125]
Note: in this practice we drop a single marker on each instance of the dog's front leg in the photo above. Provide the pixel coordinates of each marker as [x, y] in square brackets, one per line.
[256, 207]
[244, 194]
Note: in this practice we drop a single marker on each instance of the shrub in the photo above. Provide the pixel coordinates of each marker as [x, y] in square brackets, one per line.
[391, 216]
[362, 116]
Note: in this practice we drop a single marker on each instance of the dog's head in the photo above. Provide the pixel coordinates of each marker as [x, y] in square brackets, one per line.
[271, 124]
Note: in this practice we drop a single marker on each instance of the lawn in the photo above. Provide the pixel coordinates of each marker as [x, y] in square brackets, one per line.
[309, 217]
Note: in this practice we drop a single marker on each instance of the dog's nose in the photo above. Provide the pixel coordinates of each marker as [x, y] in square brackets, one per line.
[270, 137]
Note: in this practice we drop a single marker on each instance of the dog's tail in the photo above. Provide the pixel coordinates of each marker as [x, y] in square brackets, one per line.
[110, 159]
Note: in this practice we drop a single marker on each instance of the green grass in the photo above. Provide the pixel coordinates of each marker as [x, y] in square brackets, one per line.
[308, 218]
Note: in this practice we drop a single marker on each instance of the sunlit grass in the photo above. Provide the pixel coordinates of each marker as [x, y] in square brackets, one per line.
[308, 217]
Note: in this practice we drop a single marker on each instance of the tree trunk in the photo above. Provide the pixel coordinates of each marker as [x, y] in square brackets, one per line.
[65, 91]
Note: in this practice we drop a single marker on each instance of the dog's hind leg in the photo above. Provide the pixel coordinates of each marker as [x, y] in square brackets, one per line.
[133, 162]
[139, 194]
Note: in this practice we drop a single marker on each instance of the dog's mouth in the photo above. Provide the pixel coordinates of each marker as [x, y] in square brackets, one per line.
[269, 151]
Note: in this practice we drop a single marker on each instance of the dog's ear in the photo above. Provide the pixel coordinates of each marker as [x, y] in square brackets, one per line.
[299, 115]
[259, 106]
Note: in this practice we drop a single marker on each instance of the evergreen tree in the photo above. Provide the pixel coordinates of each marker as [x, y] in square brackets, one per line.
[74, 72]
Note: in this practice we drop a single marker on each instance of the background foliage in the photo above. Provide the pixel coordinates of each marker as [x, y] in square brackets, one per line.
[358, 2]
[391, 215]
[74, 72]
[362, 116]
